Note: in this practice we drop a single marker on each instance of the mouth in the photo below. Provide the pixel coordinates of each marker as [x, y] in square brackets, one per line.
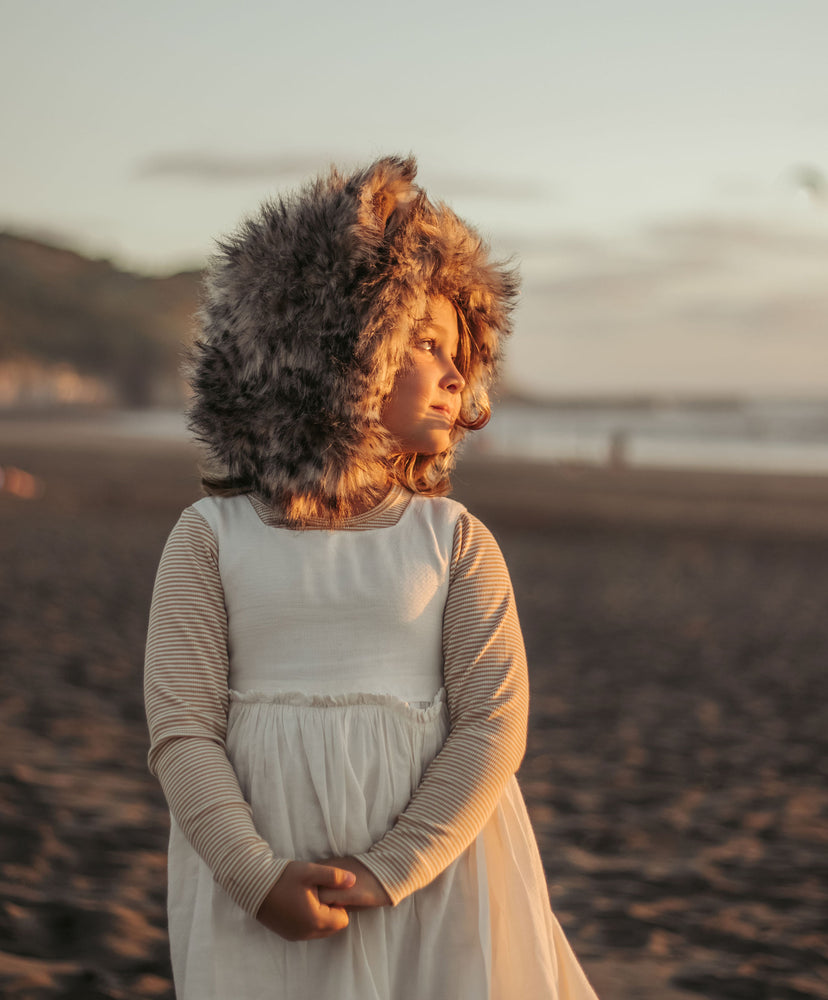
[446, 410]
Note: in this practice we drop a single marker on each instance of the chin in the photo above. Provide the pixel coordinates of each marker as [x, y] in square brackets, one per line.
[434, 445]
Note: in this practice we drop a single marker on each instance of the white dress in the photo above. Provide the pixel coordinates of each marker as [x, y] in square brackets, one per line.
[337, 707]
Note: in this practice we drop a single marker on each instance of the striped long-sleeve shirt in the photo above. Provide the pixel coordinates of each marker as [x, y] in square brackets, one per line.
[186, 687]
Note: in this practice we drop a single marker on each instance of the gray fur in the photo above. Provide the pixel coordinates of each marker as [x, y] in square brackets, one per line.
[306, 319]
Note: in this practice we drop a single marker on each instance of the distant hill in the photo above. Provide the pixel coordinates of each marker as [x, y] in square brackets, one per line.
[63, 314]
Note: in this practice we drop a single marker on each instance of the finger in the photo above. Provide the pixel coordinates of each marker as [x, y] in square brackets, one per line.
[334, 919]
[340, 897]
[331, 878]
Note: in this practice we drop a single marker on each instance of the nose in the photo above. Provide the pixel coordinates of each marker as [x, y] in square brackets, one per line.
[452, 380]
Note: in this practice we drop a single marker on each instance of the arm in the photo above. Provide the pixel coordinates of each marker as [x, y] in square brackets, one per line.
[487, 688]
[185, 687]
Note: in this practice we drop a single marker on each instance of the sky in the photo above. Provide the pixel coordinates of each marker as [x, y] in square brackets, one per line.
[656, 167]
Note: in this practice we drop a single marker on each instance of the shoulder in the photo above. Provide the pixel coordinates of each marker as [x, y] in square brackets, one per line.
[441, 512]
[465, 536]
[472, 529]
[445, 512]
[224, 513]
[212, 507]
[435, 519]
[191, 534]
[480, 588]
[475, 548]
[191, 547]
[201, 525]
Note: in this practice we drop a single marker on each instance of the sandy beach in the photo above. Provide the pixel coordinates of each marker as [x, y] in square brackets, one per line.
[676, 769]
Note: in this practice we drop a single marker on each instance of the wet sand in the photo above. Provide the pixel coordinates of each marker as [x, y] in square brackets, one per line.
[676, 770]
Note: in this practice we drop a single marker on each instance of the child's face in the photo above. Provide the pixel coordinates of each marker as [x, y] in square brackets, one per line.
[425, 402]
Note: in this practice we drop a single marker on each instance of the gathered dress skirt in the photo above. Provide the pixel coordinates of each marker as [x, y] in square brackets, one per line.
[327, 776]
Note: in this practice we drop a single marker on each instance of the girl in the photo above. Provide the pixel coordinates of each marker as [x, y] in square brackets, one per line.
[335, 677]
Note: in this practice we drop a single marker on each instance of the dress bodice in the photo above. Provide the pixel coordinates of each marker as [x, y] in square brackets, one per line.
[335, 611]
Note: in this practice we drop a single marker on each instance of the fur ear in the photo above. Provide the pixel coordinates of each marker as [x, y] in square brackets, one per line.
[387, 189]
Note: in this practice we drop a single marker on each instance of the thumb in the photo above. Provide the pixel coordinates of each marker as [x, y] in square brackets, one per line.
[331, 878]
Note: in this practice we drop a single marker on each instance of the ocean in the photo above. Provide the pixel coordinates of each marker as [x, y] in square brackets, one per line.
[759, 435]
[776, 435]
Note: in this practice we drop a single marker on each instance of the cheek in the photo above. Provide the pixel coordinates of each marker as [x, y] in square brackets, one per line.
[420, 386]
[394, 409]
[410, 393]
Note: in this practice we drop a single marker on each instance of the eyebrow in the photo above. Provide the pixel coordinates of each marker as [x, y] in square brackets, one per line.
[448, 331]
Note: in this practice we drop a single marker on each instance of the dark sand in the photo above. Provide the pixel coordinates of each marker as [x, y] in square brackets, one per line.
[676, 771]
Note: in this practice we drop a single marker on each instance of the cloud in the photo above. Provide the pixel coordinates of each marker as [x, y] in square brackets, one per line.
[216, 168]
[696, 305]
[728, 235]
[719, 256]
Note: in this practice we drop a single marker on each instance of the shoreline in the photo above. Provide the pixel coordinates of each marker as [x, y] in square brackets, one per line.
[503, 490]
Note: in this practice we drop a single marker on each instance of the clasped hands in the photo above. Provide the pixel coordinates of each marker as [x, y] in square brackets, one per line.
[312, 900]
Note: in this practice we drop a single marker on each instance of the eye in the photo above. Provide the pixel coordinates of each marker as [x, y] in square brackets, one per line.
[428, 344]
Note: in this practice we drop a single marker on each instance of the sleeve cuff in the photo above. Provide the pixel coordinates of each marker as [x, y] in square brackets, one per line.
[250, 885]
[398, 879]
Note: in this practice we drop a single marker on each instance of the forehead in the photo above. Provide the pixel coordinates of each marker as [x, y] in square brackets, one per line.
[443, 317]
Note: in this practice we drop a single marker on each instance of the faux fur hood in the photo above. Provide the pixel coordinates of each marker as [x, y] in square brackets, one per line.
[307, 316]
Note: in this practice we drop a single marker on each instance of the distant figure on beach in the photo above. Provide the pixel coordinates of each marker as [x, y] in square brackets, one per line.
[336, 684]
[617, 449]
